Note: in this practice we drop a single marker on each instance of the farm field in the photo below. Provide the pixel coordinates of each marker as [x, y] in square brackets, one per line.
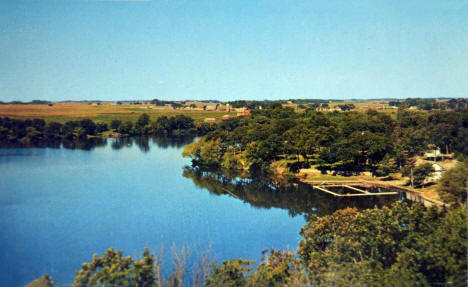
[106, 112]
[62, 112]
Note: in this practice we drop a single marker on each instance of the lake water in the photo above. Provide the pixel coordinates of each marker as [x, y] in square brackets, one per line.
[58, 206]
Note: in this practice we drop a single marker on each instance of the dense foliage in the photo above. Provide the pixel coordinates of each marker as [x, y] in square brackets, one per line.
[431, 104]
[347, 142]
[453, 185]
[36, 131]
[178, 125]
[111, 269]
[279, 268]
[405, 244]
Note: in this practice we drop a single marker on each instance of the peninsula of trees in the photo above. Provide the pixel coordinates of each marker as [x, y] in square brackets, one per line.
[344, 142]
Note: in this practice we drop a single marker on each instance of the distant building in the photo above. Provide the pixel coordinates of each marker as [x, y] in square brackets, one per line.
[224, 108]
[210, 108]
[243, 112]
[226, 117]
[433, 154]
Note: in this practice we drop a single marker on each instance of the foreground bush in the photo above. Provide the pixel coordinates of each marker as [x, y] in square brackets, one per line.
[415, 245]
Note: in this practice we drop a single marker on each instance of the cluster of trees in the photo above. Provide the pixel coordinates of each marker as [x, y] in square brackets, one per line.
[35, 131]
[256, 104]
[178, 125]
[398, 245]
[431, 104]
[33, 102]
[302, 103]
[453, 185]
[173, 104]
[347, 107]
[344, 142]
[403, 244]
[279, 268]
[312, 101]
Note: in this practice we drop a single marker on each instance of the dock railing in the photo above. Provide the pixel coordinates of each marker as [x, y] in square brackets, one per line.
[410, 194]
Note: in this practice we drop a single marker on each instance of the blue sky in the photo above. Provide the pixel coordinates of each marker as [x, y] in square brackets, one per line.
[227, 50]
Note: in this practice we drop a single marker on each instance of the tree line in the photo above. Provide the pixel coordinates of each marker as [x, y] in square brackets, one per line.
[32, 132]
[178, 125]
[35, 131]
[431, 104]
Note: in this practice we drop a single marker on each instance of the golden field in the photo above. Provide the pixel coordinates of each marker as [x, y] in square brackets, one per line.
[62, 112]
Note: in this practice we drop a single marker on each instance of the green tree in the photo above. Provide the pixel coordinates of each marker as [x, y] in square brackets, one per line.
[408, 169]
[231, 273]
[280, 268]
[111, 269]
[386, 166]
[421, 172]
[53, 128]
[101, 127]
[88, 126]
[126, 128]
[142, 121]
[417, 244]
[453, 184]
[115, 124]
[44, 281]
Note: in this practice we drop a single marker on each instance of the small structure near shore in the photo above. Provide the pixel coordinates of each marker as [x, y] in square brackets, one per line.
[243, 112]
[351, 190]
[366, 188]
[433, 154]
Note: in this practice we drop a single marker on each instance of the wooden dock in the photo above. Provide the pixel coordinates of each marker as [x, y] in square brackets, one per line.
[362, 192]
[359, 186]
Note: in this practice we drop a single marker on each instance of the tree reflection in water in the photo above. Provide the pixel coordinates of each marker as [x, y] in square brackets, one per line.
[298, 198]
[143, 142]
[84, 144]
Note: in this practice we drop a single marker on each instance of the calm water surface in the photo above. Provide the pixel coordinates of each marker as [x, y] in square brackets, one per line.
[59, 206]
